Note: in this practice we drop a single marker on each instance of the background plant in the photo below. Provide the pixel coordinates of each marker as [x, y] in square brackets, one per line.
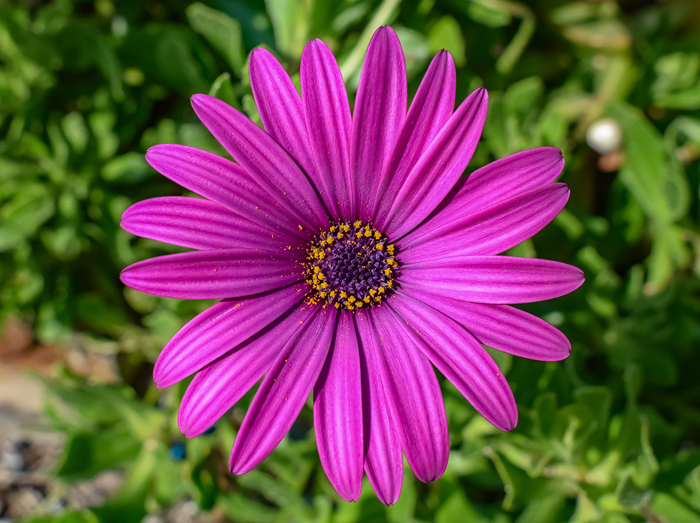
[609, 435]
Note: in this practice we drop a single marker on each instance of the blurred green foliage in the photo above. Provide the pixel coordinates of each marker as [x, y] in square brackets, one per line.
[608, 435]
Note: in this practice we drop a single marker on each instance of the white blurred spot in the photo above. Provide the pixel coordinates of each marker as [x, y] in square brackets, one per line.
[119, 26]
[604, 135]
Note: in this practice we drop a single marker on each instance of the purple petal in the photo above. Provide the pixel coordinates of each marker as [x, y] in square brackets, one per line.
[198, 224]
[507, 177]
[212, 275]
[219, 329]
[263, 158]
[462, 360]
[491, 231]
[223, 182]
[493, 279]
[380, 109]
[328, 122]
[430, 109]
[284, 390]
[338, 412]
[280, 108]
[219, 385]
[416, 395]
[440, 167]
[383, 460]
[503, 327]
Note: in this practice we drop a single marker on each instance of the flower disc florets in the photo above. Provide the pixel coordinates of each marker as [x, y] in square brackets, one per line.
[352, 266]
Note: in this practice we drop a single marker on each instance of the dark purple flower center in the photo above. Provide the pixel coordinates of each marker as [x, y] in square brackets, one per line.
[352, 266]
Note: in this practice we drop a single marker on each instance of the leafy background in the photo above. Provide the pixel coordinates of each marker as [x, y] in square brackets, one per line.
[610, 434]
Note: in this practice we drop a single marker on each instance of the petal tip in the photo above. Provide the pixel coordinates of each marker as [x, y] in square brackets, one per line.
[203, 101]
[482, 94]
[349, 493]
[238, 468]
[125, 275]
[509, 424]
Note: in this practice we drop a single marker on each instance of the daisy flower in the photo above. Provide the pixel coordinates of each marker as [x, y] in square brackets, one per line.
[350, 260]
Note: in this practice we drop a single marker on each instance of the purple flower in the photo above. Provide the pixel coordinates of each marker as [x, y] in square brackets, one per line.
[350, 258]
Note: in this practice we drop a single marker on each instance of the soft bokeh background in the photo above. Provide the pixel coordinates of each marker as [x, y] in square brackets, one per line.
[610, 434]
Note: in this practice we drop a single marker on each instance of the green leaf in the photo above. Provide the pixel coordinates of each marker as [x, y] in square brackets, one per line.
[446, 34]
[456, 508]
[670, 509]
[86, 454]
[128, 168]
[24, 214]
[521, 96]
[223, 90]
[543, 510]
[488, 14]
[290, 20]
[663, 195]
[220, 30]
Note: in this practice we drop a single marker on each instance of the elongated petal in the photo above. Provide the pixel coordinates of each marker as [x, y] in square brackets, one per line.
[494, 279]
[383, 460]
[223, 182]
[491, 231]
[197, 224]
[219, 385]
[280, 108]
[338, 412]
[212, 275]
[416, 396]
[284, 390]
[507, 177]
[463, 361]
[219, 329]
[440, 167]
[429, 111]
[503, 327]
[380, 109]
[328, 122]
[263, 158]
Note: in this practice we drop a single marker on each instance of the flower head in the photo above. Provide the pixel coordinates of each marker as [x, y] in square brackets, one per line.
[350, 258]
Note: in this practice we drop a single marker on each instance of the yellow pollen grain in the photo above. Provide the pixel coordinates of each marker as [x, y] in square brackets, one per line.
[372, 292]
[300, 228]
[357, 224]
[366, 299]
[377, 235]
[387, 272]
[351, 299]
[379, 246]
[340, 235]
[343, 294]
